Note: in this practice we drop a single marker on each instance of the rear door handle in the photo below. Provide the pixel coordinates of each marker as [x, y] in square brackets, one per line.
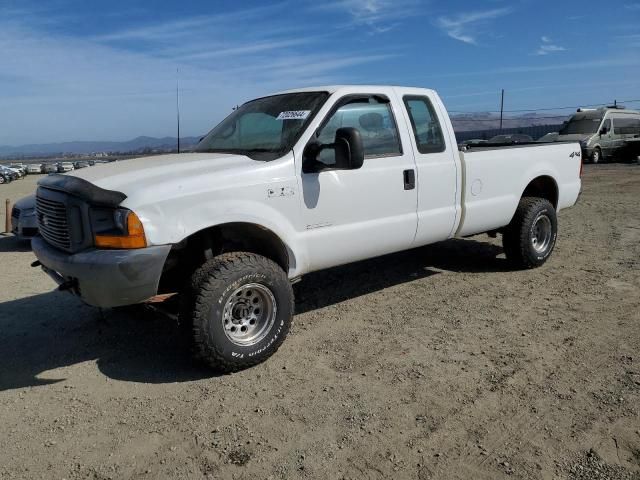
[409, 179]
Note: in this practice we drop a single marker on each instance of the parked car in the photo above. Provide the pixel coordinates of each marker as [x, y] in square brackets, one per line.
[11, 172]
[64, 167]
[475, 142]
[510, 139]
[77, 165]
[549, 137]
[24, 224]
[5, 177]
[34, 168]
[49, 168]
[20, 167]
[603, 132]
[286, 185]
[18, 172]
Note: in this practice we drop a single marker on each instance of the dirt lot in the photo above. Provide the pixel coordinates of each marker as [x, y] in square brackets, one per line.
[434, 363]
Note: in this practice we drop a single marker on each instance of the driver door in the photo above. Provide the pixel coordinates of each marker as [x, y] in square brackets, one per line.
[356, 214]
[606, 139]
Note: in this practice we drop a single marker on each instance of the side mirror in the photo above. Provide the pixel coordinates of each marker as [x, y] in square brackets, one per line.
[349, 149]
[603, 131]
[348, 152]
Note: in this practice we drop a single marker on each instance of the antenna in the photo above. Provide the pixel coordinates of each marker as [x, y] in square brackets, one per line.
[501, 108]
[178, 107]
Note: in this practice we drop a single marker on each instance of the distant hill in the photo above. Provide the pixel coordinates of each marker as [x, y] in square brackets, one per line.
[489, 121]
[461, 123]
[136, 145]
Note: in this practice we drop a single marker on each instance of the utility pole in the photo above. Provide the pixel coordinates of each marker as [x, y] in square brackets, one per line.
[501, 108]
[178, 109]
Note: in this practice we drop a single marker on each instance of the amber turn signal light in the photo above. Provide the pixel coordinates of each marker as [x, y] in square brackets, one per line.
[133, 238]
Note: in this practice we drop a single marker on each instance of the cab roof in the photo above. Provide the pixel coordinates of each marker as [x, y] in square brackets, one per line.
[337, 88]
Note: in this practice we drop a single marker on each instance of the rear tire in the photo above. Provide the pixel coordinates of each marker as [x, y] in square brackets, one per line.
[531, 236]
[596, 155]
[238, 309]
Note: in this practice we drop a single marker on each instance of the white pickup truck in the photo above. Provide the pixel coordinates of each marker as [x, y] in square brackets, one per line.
[286, 185]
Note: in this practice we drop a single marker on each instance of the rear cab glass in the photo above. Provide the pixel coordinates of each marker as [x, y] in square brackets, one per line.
[425, 124]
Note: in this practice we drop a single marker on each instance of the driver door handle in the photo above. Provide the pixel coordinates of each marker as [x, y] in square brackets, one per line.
[409, 179]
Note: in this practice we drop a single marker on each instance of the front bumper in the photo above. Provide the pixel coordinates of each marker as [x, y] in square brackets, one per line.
[105, 278]
[586, 152]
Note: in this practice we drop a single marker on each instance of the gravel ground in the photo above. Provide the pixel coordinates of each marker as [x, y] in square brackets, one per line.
[435, 363]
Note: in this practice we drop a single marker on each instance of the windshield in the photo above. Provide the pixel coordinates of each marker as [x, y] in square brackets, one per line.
[578, 126]
[265, 128]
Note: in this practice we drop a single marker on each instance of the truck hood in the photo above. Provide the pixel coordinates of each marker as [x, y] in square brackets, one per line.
[158, 176]
[26, 202]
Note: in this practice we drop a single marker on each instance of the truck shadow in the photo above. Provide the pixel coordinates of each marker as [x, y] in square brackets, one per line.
[42, 335]
[9, 243]
[334, 285]
[55, 330]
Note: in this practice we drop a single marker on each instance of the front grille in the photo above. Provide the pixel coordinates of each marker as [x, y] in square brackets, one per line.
[52, 222]
[15, 212]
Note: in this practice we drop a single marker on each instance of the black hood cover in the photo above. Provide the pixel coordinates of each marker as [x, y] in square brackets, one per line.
[83, 189]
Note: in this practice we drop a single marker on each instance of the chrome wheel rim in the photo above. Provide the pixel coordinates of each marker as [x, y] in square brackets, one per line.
[541, 233]
[249, 314]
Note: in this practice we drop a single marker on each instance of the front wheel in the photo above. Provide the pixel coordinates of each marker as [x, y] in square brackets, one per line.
[596, 155]
[530, 237]
[238, 309]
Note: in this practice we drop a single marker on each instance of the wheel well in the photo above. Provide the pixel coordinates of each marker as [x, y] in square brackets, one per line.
[543, 187]
[186, 256]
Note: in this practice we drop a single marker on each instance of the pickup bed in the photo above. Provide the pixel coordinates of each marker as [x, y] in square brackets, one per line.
[288, 184]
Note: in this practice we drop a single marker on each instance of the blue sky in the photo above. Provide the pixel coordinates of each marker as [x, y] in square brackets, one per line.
[84, 70]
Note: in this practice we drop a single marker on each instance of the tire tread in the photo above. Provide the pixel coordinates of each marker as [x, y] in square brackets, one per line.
[196, 299]
[515, 238]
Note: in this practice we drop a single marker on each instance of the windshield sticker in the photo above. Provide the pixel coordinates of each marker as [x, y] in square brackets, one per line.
[294, 115]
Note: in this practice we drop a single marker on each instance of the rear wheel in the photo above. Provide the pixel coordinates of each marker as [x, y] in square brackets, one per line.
[596, 155]
[531, 236]
[237, 310]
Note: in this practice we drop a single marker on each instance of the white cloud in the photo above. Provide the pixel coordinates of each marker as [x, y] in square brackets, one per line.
[548, 47]
[379, 16]
[618, 62]
[56, 87]
[187, 27]
[465, 26]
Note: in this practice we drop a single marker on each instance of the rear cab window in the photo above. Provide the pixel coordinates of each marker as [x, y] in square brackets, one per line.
[425, 124]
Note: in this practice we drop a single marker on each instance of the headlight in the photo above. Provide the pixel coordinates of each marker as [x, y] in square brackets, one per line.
[119, 228]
